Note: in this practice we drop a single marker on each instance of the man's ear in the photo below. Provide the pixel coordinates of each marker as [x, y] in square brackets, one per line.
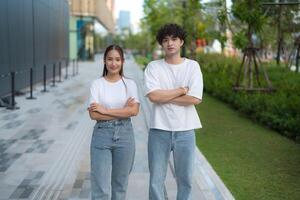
[181, 43]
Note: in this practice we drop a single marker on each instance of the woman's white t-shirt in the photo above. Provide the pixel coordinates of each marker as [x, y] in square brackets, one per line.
[161, 75]
[113, 94]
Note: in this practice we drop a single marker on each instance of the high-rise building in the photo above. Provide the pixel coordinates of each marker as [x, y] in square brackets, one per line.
[124, 20]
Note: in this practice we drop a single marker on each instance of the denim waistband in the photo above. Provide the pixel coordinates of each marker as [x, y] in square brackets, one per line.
[112, 123]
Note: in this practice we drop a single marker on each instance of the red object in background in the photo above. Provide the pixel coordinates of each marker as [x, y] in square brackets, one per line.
[201, 42]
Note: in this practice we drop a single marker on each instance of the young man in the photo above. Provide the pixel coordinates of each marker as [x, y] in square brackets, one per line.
[174, 85]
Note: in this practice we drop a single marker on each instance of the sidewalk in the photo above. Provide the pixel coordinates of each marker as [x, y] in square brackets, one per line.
[44, 146]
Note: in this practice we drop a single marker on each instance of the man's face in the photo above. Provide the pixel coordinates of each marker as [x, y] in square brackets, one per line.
[171, 45]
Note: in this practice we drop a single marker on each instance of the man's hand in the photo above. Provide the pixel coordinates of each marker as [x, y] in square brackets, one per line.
[98, 108]
[185, 90]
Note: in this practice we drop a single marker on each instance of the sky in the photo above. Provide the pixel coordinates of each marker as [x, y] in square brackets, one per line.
[135, 7]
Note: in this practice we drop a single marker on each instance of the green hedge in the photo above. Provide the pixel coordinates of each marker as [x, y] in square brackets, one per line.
[279, 110]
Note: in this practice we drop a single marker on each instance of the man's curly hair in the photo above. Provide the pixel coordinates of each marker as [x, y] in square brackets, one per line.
[173, 30]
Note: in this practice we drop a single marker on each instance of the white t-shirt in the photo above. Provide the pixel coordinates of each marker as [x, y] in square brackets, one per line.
[113, 95]
[161, 75]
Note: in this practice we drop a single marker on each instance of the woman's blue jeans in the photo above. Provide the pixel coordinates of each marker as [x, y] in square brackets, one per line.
[160, 145]
[112, 156]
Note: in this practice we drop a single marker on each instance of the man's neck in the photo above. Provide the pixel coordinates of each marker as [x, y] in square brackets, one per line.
[174, 59]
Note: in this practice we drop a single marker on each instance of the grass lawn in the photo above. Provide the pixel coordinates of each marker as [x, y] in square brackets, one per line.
[253, 162]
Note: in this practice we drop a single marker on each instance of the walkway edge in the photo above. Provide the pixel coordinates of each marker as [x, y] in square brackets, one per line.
[213, 180]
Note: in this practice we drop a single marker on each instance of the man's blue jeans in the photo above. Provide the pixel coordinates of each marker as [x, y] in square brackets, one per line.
[160, 145]
[112, 156]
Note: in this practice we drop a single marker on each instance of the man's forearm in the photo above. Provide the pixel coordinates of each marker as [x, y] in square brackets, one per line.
[165, 96]
[185, 100]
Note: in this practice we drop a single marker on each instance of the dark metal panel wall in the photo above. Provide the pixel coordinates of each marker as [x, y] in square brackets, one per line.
[33, 33]
[27, 19]
[4, 47]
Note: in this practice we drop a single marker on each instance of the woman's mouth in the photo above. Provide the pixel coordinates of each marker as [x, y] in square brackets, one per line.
[113, 68]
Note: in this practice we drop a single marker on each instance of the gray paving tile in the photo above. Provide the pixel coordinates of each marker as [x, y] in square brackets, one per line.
[9, 116]
[6, 159]
[13, 124]
[17, 193]
[27, 192]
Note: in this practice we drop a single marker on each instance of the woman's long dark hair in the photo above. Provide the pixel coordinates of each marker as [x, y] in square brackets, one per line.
[120, 51]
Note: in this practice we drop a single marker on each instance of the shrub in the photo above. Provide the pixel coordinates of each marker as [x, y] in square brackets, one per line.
[279, 110]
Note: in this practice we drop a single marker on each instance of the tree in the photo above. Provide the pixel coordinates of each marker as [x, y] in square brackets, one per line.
[185, 13]
[250, 12]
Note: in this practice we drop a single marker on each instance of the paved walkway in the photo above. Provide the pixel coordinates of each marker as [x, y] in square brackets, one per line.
[44, 146]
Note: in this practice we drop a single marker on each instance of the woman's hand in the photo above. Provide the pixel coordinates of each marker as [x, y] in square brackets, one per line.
[98, 108]
[130, 102]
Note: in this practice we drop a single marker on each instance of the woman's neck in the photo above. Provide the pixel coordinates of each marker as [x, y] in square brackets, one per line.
[113, 77]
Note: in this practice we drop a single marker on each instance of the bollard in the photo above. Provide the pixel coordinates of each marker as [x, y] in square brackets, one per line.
[31, 85]
[53, 76]
[67, 63]
[73, 67]
[45, 77]
[59, 73]
[12, 105]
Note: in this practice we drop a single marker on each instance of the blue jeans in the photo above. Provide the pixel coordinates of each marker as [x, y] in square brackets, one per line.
[112, 156]
[160, 145]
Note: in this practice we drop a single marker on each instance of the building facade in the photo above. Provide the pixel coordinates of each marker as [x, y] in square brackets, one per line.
[83, 14]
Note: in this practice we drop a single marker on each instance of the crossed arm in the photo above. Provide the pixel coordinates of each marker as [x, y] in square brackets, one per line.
[176, 96]
[99, 112]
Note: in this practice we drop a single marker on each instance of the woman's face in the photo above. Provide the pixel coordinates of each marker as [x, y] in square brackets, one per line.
[113, 62]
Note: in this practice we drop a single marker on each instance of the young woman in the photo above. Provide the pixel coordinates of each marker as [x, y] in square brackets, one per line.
[113, 101]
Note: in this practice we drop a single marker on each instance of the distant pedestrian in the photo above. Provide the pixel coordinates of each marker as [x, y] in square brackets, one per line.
[113, 100]
[174, 84]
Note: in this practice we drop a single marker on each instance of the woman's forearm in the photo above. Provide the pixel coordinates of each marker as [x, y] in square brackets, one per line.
[98, 116]
[123, 112]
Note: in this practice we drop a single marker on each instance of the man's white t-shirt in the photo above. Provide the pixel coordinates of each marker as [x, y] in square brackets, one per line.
[113, 94]
[161, 75]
